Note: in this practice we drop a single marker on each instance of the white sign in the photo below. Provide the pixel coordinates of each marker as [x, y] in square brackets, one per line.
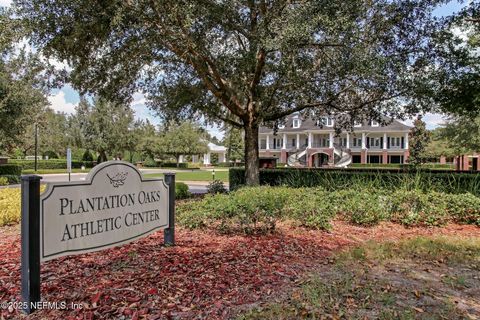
[112, 207]
[69, 160]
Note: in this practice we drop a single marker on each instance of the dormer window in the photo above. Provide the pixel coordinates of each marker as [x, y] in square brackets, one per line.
[327, 121]
[357, 124]
[374, 123]
[281, 126]
[296, 123]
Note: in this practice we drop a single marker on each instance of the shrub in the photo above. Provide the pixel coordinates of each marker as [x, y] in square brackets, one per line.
[10, 169]
[310, 208]
[9, 206]
[3, 181]
[150, 162]
[181, 190]
[463, 208]
[182, 165]
[87, 156]
[418, 208]
[216, 186]
[338, 179]
[50, 164]
[362, 208]
[50, 154]
[11, 179]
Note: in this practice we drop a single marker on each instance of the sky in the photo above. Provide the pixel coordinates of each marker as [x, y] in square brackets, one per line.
[66, 98]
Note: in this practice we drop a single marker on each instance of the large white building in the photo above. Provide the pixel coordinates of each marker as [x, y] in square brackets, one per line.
[305, 142]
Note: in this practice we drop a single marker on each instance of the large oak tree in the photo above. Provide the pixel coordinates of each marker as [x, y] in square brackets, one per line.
[244, 62]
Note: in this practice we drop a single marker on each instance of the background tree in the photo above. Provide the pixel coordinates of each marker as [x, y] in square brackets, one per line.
[439, 146]
[419, 137]
[462, 134]
[22, 87]
[233, 141]
[105, 126]
[243, 62]
[453, 81]
[182, 139]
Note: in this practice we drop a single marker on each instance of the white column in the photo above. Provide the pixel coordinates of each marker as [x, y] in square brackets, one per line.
[268, 142]
[194, 158]
[330, 140]
[348, 141]
[206, 158]
[364, 145]
[385, 141]
[406, 140]
[223, 157]
[284, 144]
[180, 158]
[298, 141]
[310, 138]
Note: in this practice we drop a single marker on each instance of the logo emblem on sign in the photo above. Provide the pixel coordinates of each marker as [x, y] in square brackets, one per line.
[118, 179]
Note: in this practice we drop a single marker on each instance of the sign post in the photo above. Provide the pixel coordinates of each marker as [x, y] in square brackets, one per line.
[113, 206]
[30, 229]
[169, 233]
[69, 163]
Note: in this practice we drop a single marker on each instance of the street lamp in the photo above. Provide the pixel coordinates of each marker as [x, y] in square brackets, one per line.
[36, 145]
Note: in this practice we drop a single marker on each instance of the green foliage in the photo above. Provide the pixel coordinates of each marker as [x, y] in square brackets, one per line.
[419, 137]
[338, 179]
[10, 169]
[181, 191]
[182, 139]
[216, 186]
[258, 209]
[233, 141]
[12, 179]
[150, 163]
[3, 181]
[50, 154]
[263, 73]
[87, 156]
[462, 133]
[50, 164]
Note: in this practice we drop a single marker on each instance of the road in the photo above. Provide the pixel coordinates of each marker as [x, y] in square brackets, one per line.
[197, 187]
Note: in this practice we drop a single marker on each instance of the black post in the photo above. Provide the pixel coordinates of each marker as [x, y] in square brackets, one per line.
[30, 228]
[36, 146]
[169, 233]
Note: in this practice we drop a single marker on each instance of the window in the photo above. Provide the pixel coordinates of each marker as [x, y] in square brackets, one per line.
[296, 123]
[357, 124]
[294, 142]
[263, 144]
[374, 123]
[357, 142]
[374, 142]
[281, 126]
[327, 121]
[395, 142]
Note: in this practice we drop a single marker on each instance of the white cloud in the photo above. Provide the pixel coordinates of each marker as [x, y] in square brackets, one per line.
[5, 3]
[59, 104]
[138, 99]
[433, 120]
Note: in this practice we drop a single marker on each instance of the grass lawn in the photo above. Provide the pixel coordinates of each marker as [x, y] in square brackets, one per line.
[417, 278]
[47, 171]
[194, 176]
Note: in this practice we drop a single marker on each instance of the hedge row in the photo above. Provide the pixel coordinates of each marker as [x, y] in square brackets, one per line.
[10, 169]
[50, 164]
[258, 209]
[337, 179]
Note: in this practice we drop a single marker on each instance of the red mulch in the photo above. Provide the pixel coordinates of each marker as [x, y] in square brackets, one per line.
[205, 275]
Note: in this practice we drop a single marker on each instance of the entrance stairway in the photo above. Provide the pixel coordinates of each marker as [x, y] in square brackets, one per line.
[343, 155]
[295, 160]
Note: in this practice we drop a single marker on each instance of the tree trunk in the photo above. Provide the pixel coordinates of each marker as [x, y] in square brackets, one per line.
[251, 154]
[177, 157]
[102, 156]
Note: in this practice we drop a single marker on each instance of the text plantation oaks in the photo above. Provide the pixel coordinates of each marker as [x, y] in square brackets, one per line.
[113, 206]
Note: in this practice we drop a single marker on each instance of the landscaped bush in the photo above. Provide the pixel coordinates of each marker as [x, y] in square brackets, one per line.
[216, 186]
[3, 181]
[11, 179]
[9, 206]
[10, 169]
[50, 154]
[50, 164]
[87, 156]
[258, 209]
[182, 165]
[181, 191]
[339, 179]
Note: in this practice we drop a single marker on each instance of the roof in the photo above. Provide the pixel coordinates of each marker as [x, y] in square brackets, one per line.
[216, 148]
[309, 124]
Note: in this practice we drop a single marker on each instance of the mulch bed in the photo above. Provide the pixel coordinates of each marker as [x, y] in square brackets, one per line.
[206, 275]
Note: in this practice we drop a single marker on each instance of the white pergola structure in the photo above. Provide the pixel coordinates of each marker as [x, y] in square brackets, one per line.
[213, 148]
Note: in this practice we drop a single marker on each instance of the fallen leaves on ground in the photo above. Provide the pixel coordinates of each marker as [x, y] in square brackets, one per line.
[205, 275]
